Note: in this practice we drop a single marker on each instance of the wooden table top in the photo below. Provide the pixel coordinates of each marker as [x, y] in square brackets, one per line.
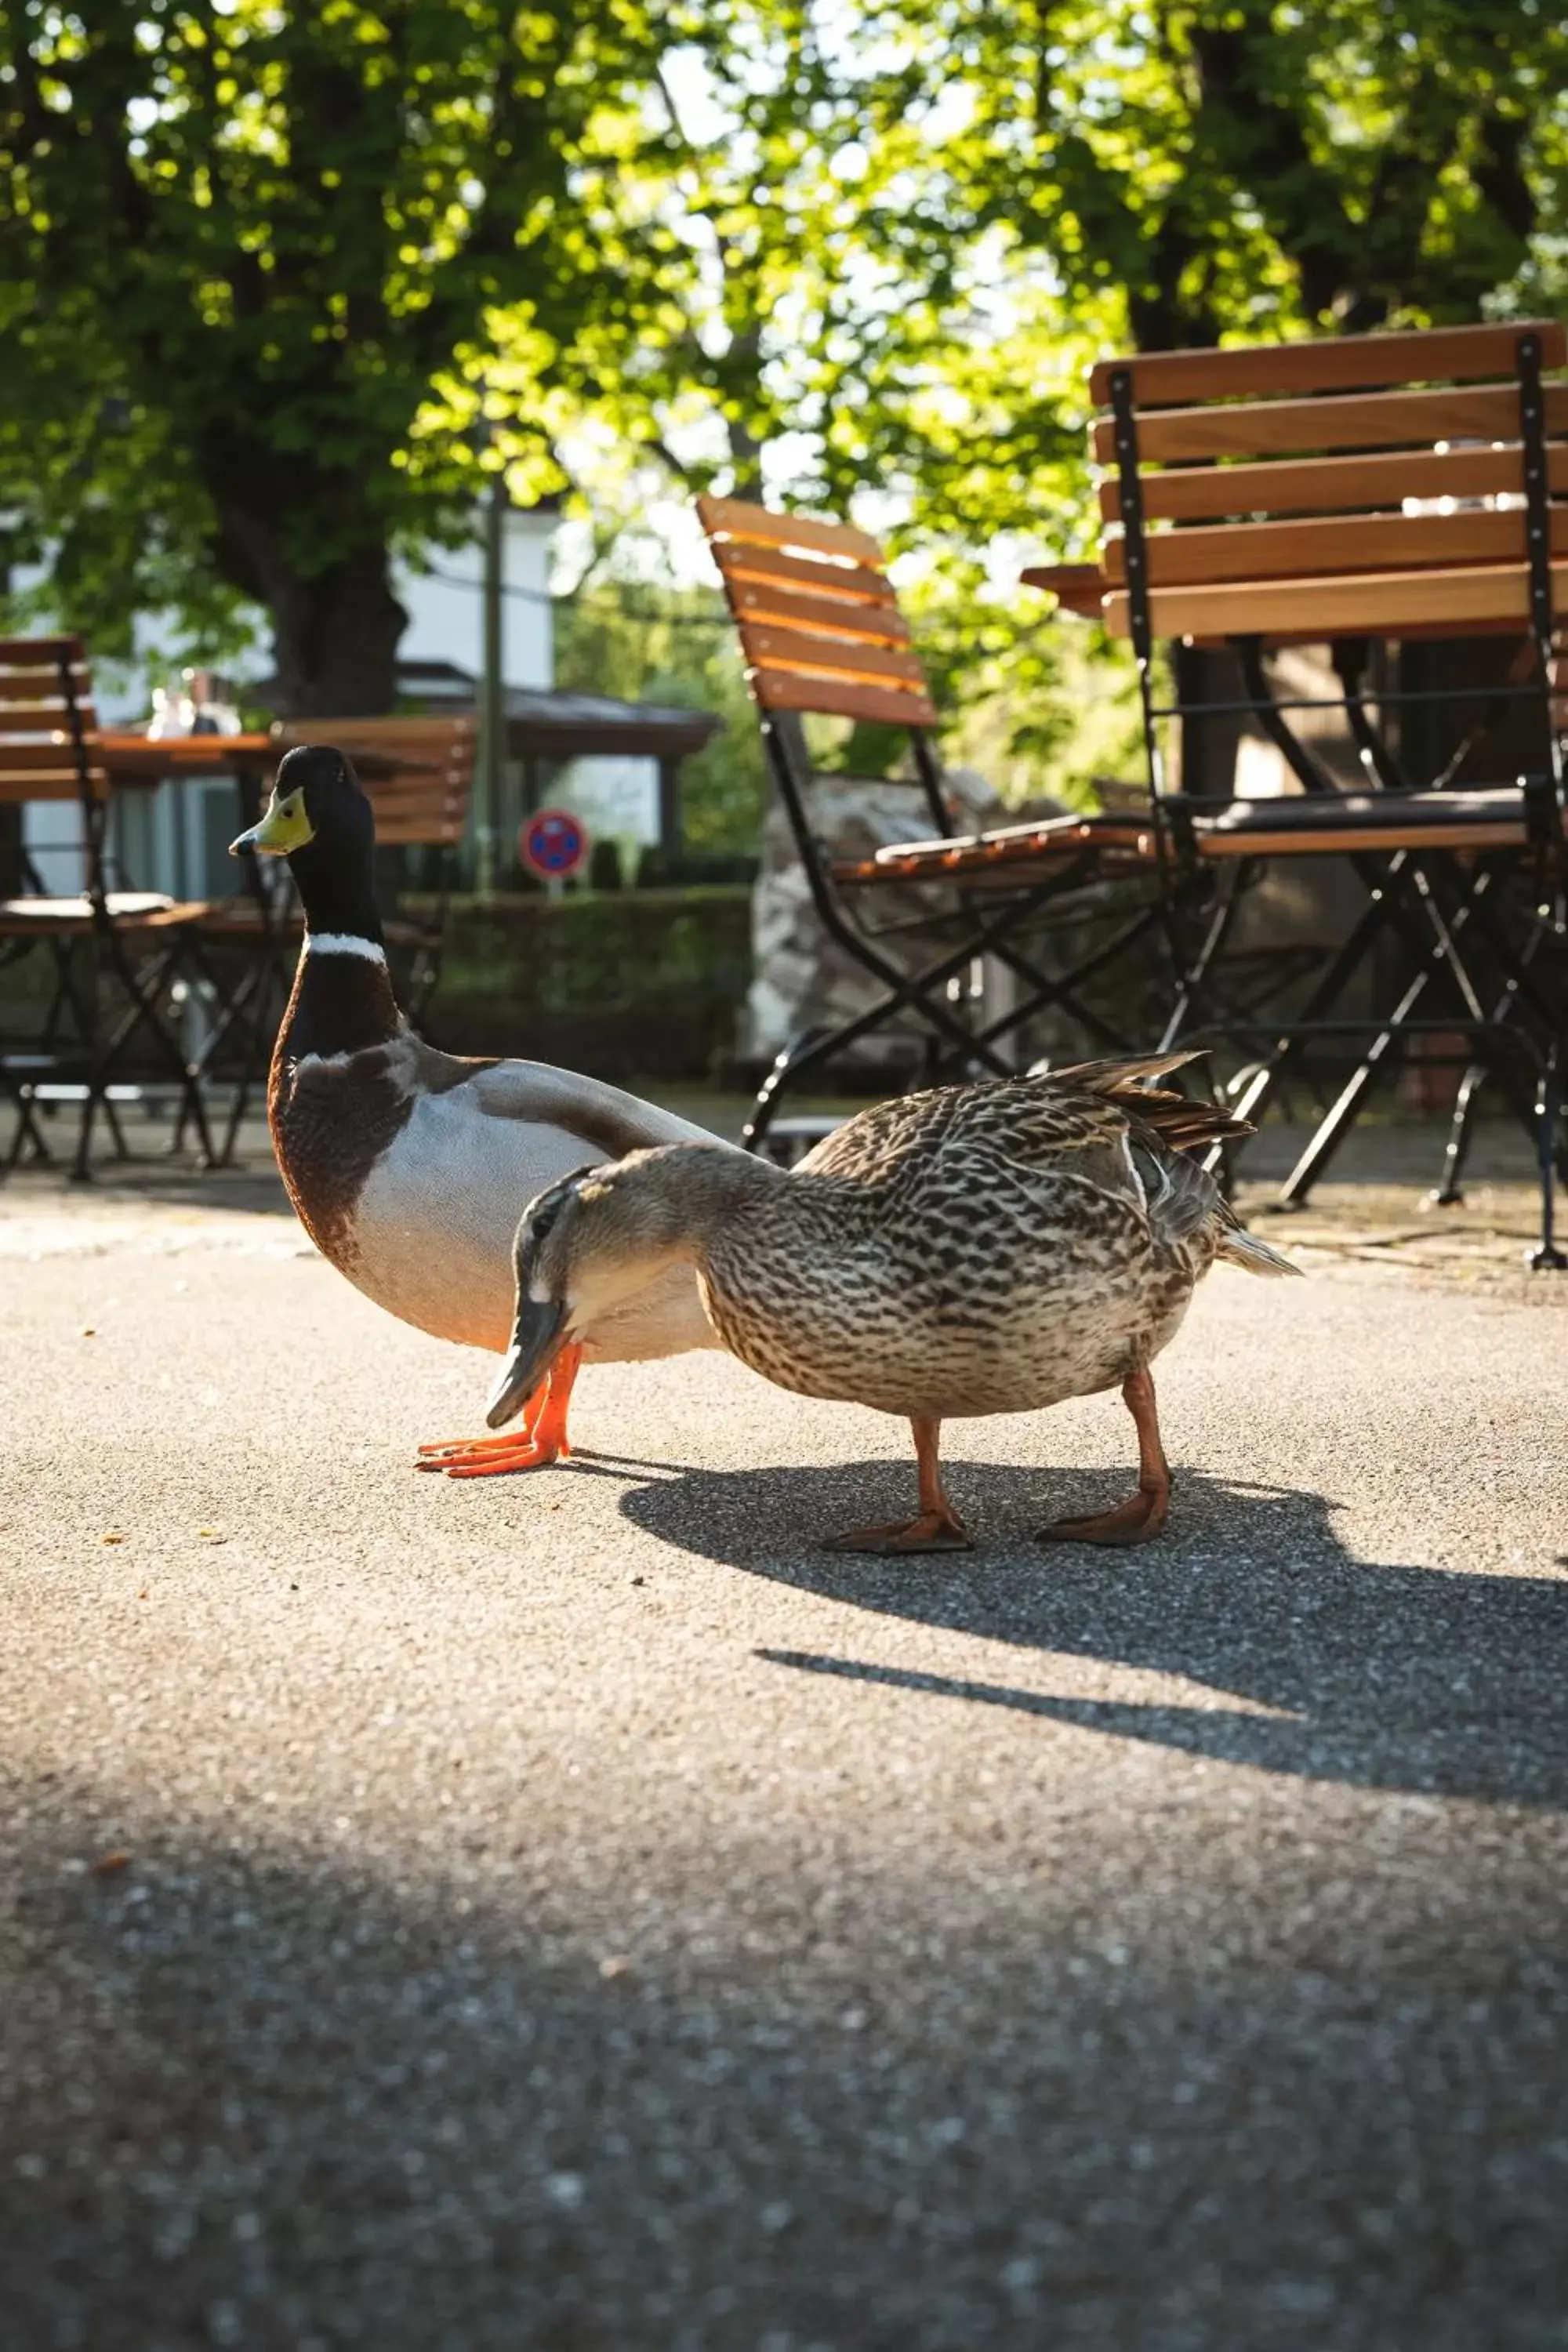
[1087, 591]
[133, 759]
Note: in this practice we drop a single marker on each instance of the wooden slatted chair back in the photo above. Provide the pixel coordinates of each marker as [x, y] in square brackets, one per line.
[1332, 488]
[48, 749]
[819, 620]
[422, 805]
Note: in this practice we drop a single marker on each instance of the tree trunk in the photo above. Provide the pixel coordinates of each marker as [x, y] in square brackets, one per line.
[334, 634]
[336, 641]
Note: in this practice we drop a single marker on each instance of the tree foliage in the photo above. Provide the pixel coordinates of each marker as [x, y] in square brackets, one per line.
[259, 263]
[265, 265]
[1024, 186]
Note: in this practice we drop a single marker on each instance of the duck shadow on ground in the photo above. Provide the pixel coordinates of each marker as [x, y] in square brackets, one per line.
[1321, 1665]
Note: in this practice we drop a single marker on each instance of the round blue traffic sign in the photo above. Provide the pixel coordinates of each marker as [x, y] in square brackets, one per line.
[552, 844]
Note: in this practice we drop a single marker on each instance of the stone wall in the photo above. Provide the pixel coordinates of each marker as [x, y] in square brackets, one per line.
[801, 978]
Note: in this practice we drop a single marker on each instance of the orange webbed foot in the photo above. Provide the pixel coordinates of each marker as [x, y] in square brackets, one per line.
[1137, 1520]
[534, 1445]
[1142, 1515]
[937, 1526]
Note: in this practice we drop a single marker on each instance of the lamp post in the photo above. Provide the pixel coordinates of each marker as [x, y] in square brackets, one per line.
[492, 737]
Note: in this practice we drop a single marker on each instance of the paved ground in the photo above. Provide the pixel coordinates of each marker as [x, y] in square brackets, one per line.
[577, 1912]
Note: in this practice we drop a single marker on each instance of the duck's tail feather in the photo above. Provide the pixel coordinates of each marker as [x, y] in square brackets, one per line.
[1112, 1075]
[1184, 1126]
[1179, 1121]
[1238, 1247]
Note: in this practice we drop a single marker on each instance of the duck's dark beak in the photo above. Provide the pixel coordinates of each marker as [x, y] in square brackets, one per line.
[535, 1344]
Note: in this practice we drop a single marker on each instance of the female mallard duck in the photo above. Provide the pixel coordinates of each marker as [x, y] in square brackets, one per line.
[989, 1248]
[408, 1168]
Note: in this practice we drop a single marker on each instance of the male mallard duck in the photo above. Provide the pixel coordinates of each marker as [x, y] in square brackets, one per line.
[989, 1248]
[408, 1168]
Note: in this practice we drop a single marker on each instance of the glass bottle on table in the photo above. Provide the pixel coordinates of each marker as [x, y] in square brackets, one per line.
[173, 713]
[214, 710]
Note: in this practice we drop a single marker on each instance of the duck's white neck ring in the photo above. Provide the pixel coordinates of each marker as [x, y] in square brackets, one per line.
[344, 943]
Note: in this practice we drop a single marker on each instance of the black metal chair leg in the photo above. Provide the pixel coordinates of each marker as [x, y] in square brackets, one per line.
[271, 981]
[765, 1110]
[143, 988]
[1548, 1258]
[28, 1134]
[1252, 1091]
[1332, 1130]
[1441, 955]
[25, 1131]
[111, 1119]
[1191, 981]
[1451, 1193]
[81, 1170]
[819, 1045]
[1062, 992]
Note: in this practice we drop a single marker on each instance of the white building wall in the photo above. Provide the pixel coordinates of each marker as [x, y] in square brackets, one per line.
[446, 604]
[615, 794]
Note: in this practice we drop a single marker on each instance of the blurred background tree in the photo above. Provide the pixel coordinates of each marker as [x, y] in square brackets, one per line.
[259, 261]
[264, 267]
[1039, 182]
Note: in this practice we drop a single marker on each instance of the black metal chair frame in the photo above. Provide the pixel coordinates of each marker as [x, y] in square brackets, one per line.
[265, 978]
[980, 922]
[1440, 904]
[142, 977]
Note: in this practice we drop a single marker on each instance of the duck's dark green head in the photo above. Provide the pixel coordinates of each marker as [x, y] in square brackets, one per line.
[320, 820]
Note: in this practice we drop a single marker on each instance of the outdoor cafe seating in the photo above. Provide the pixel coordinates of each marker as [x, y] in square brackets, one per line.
[107, 960]
[115, 968]
[1392, 503]
[1386, 496]
[1388, 491]
[822, 634]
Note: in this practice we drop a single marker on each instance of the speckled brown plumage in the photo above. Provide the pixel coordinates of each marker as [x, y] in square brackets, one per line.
[974, 1249]
[978, 1249]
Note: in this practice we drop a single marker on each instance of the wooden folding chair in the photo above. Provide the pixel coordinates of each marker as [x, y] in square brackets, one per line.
[112, 954]
[821, 633]
[1389, 488]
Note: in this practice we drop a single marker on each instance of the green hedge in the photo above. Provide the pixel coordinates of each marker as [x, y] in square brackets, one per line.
[622, 983]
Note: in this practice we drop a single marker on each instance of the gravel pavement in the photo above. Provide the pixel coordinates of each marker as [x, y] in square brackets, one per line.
[577, 1912]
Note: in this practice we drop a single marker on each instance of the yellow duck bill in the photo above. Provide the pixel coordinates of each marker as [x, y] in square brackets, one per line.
[284, 826]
